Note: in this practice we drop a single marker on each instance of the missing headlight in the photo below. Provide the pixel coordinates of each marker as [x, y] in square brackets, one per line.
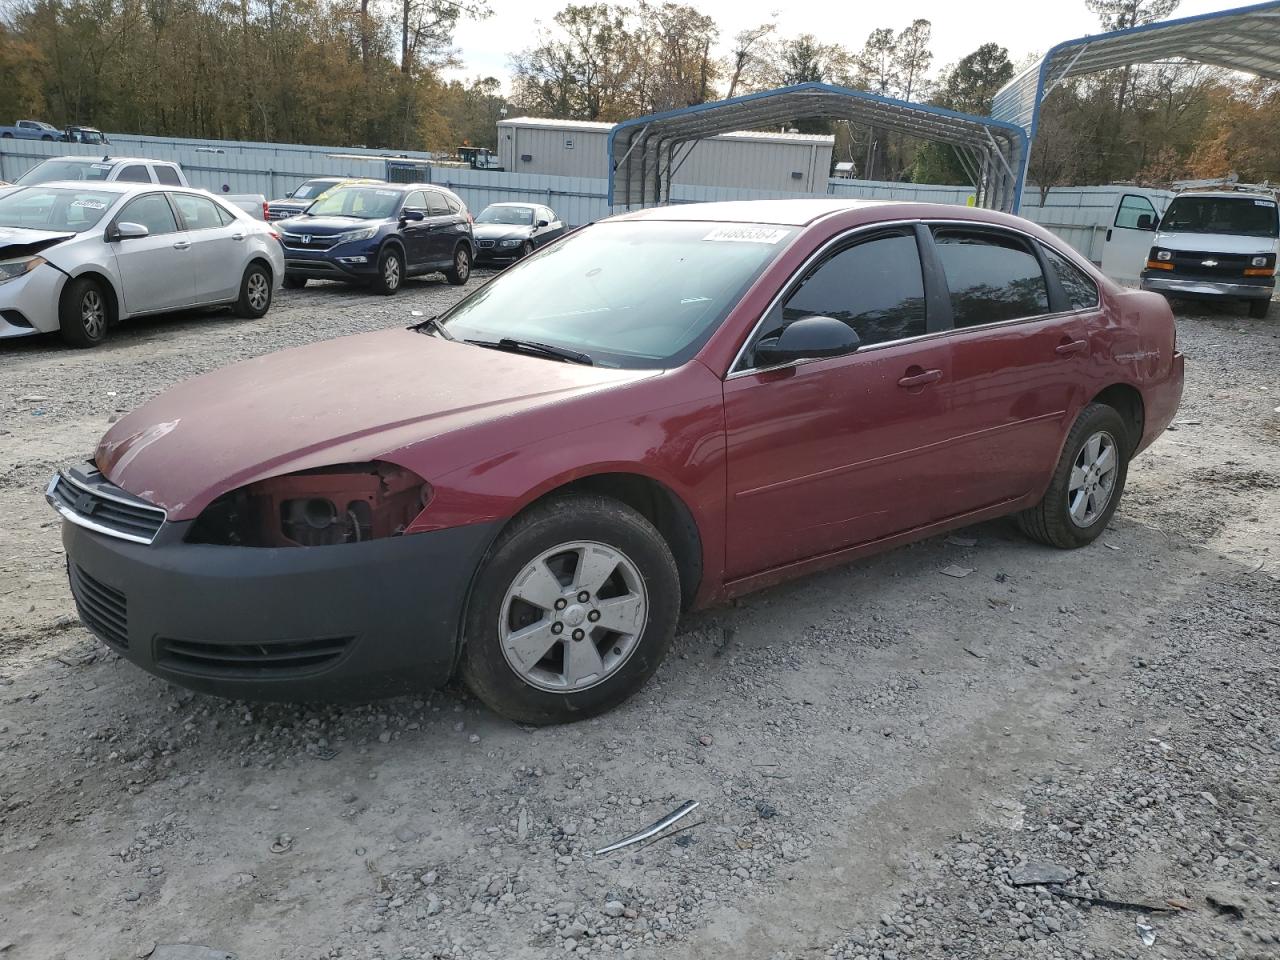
[349, 503]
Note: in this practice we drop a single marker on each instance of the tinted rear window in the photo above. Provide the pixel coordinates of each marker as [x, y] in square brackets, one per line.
[1081, 291]
[991, 276]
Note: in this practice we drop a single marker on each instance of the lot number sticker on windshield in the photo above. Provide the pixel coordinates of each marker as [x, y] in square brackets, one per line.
[89, 204]
[746, 234]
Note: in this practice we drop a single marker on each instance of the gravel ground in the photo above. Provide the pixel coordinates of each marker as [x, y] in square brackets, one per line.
[1060, 755]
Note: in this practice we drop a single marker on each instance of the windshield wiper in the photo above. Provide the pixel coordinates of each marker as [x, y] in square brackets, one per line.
[541, 349]
[432, 323]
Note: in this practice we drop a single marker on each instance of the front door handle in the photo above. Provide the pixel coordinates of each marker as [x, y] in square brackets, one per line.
[1108, 234]
[1071, 347]
[920, 379]
[182, 244]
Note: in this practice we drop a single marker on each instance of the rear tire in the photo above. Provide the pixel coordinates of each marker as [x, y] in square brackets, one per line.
[84, 313]
[571, 664]
[255, 292]
[292, 282]
[1258, 309]
[390, 271]
[1087, 482]
[460, 272]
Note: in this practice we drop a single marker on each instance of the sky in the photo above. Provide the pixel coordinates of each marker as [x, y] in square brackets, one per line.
[958, 27]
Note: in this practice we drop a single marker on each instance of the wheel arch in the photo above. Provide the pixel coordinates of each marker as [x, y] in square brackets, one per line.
[1127, 401]
[657, 503]
[108, 287]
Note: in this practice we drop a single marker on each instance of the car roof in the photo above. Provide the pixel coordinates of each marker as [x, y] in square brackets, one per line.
[792, 213]
[515, 203]
[121, 187]
[110, 159]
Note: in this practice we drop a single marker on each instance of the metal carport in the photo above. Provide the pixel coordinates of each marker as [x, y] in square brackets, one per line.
[645, 153]
[1246, 39]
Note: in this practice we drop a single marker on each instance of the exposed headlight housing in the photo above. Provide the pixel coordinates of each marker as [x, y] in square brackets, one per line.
[18, 267]
[1259, 262]
[347, 503]
[364, 233]
[1164, 255]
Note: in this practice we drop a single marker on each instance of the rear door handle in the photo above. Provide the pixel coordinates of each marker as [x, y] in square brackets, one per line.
[920, 379]
[182, 244]
[237, 236]
[1071, 347]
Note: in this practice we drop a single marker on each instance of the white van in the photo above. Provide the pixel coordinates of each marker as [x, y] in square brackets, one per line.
[1211, 243]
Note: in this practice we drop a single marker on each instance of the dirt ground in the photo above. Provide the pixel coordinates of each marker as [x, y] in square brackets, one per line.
[886, 759]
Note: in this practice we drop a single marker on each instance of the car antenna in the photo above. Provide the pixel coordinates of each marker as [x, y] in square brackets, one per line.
[106, 157]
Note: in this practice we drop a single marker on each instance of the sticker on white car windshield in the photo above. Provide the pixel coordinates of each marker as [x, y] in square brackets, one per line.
[101, 166]
[89, 204]
[1263, 203]
[746, 234]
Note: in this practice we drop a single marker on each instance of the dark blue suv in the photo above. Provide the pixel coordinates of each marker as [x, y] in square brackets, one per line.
[379, 233]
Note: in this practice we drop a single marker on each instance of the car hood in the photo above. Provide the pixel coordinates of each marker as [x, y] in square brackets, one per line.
[348, 400]
[22, 242]
[501, 231]
[1215, 242]
[326, 226]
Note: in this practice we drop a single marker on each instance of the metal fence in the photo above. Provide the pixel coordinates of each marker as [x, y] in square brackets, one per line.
[1080, 215]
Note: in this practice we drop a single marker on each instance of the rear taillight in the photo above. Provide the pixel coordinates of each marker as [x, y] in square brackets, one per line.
[274, 234]
[266, 214]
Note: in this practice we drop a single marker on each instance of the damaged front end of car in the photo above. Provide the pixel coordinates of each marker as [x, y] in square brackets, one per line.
[346, 503]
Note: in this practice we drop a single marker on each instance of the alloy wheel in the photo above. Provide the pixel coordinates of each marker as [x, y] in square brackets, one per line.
[391, 272]
[93, 314]
[462, 265]
[1093, 479]
[259, 291]
[573, 616]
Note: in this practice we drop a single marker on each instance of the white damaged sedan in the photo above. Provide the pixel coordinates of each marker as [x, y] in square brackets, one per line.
[80, 257]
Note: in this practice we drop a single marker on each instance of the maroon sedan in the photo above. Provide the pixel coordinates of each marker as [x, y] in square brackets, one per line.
[656, 413]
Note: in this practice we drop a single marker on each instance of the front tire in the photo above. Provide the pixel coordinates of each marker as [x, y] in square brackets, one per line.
[255, 292]
[1087, 482]
[460, 272]
[572, 612]
[526, 249]
[390, 271]
[1258, 309]
[84, 313]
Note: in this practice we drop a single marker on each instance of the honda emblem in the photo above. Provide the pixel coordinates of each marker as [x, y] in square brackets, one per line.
[306, 238]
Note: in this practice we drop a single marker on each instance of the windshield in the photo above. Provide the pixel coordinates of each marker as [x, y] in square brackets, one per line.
[55, 208]
[312, 189]
[631, 294]
[517, 216]
[52, 170]
[365, 203]
[1242, 216]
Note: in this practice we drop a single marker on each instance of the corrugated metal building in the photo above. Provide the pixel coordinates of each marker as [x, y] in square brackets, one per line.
[763, 161]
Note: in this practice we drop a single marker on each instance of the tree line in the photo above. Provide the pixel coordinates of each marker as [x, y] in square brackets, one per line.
[371, 72]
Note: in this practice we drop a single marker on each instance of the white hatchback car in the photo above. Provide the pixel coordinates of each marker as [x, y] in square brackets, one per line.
[80, 257]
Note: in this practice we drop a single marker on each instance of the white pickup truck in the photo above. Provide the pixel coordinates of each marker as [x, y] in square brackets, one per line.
[110, 169]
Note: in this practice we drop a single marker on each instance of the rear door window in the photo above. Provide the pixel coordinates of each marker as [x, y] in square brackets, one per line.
[168, 175]
[135, 173]
[1081, 291]
[991, 276]
[198, 213]
[876, 287]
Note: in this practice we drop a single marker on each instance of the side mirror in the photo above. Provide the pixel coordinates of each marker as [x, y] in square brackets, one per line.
[410, 214]
[810, 338]
[127, 230]
[1146, 222]
[544, 223]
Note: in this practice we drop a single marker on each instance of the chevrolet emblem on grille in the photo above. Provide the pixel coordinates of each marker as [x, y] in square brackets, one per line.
[1208, 263]
[86, 503]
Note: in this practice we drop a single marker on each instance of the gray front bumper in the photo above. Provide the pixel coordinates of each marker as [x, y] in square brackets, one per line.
[1209, 288]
